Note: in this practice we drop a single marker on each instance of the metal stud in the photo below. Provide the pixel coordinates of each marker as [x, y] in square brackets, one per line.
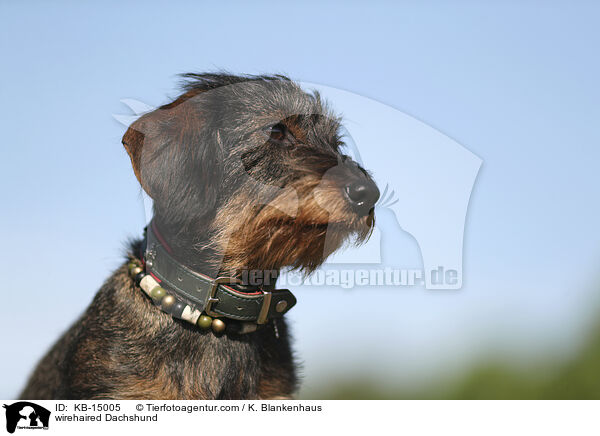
[135, 271]
[167, 302]
[218, 326]
[158, 293]
[281, 306]
[204, 322]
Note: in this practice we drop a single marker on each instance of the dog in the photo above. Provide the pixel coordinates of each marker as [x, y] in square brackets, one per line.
[248, 176]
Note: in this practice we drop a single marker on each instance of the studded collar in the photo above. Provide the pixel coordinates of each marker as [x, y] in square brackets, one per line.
[201, 300]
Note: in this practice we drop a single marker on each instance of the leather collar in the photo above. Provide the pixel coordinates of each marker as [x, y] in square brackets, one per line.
[199, 294]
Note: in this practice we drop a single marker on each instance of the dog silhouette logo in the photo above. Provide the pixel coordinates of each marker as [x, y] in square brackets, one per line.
[26, 415]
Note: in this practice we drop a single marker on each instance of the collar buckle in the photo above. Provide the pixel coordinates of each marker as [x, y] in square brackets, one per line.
[213, 290]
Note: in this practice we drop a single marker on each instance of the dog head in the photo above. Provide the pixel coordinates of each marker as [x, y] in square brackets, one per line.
[253, 169]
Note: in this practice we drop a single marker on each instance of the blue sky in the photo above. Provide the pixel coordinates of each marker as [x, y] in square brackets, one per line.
[514, 83]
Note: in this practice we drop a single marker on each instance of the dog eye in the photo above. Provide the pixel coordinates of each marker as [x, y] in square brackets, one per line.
[278, 132]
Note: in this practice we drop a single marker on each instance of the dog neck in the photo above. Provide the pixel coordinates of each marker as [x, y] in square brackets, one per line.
[190, 246]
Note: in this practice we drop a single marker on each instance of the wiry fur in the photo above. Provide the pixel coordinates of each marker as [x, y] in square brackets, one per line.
[230, 194]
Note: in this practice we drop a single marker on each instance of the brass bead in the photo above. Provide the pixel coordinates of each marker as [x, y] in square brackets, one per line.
[218, 326]
[135, 271]
[204, 322]
[167, 301]
[158, 293]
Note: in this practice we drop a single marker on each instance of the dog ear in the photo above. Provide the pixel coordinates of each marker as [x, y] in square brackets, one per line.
[176, 159]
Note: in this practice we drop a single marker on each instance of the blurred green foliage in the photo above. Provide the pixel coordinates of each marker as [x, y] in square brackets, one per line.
[576, 378]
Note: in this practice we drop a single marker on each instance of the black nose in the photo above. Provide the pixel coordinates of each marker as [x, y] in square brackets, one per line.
[362, 195]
